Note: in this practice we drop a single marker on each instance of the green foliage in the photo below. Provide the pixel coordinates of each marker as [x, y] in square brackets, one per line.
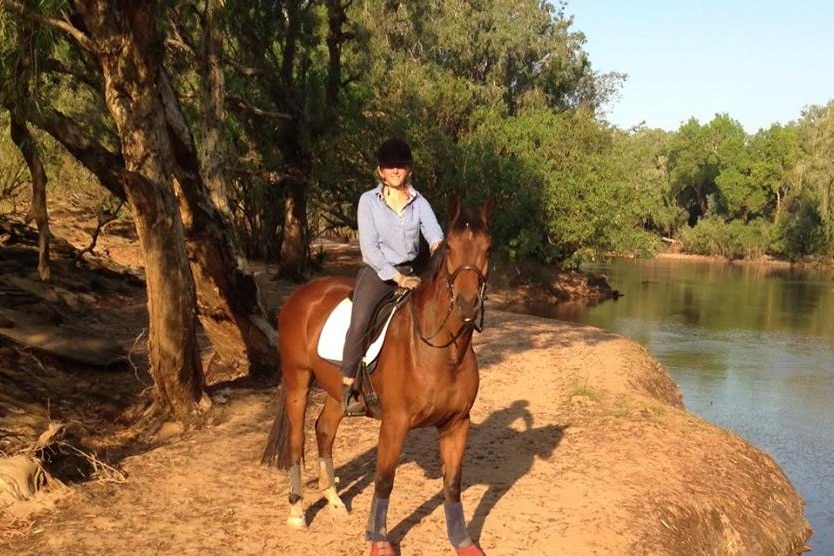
[642, 155]
[733, 240]
[478, 89]
[698, 156]
[774, 154]
[800, 233]
[497, 97]
[816, 133]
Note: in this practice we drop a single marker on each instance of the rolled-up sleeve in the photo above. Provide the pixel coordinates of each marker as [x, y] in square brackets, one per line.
[369, 240]
[429, 226]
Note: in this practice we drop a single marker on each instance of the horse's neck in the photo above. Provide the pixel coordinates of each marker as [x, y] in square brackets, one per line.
[439, 322]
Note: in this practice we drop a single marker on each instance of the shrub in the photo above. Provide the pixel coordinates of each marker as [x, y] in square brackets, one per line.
[733, 240]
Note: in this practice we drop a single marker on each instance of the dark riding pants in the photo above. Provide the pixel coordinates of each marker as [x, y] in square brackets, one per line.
[368, 290]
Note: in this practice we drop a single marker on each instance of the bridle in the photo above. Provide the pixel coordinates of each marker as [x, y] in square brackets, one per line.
[475, 322]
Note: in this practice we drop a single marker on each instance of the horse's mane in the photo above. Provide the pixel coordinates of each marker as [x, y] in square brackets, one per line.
[435, 263]
[467, 219]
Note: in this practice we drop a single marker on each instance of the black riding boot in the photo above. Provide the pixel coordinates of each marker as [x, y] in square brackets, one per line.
[352, 404]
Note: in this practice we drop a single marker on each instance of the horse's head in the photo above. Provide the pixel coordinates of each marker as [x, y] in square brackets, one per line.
[468, 246]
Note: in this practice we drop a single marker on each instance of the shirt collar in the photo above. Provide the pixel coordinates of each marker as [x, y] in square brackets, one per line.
[412, 193]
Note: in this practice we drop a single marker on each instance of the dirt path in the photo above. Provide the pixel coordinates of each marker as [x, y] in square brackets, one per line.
[579, 446]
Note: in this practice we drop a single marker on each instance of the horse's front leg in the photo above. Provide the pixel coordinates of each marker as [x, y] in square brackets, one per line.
[452, 445]
[326, 426]
[392, 433]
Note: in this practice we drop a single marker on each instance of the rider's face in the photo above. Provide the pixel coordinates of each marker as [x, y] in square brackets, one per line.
[395, 177]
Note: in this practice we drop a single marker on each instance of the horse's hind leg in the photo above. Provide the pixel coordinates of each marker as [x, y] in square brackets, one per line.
[326, 426]
[297, 385]
[452, 445]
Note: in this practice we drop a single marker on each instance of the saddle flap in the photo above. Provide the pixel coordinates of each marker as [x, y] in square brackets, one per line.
[332, 338]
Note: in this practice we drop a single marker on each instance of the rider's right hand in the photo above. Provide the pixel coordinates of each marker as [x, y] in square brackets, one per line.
[408, 282]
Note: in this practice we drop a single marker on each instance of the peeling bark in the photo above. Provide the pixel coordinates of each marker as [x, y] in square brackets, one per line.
[227, 301]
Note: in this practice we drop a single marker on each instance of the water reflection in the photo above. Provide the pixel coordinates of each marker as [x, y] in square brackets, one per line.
[751, 348]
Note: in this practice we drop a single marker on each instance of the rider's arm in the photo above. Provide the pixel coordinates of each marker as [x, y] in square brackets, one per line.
[429, 225]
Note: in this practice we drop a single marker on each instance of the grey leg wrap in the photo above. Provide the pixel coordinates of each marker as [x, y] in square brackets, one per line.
[296, 493]
[326, 465]
[456, 525]
[377, 529]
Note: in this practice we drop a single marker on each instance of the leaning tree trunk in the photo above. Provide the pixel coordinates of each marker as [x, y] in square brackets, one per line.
[227, 294]
[127, 45]
[25, 142]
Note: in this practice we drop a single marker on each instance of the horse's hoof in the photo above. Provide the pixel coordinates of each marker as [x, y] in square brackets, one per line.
[338, 509]
[334, 502]
[471, 550]
[296, 522]
[382, 548]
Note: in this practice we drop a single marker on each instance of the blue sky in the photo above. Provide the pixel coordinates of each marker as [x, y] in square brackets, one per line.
[760, 62]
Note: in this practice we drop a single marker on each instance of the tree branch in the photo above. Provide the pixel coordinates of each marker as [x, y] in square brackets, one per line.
[61, 24]
[176, 39]
[246, 71]
[243, 106]
[103, 218]
[107, 166]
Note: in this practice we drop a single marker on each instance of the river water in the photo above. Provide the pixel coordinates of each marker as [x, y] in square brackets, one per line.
[752, 349]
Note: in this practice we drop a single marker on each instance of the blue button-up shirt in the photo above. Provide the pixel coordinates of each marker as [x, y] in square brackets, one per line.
[387, 238]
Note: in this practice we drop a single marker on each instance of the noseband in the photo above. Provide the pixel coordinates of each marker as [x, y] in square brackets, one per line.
[475, 322]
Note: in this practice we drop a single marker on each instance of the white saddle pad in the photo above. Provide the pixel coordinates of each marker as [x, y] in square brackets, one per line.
[332, 339]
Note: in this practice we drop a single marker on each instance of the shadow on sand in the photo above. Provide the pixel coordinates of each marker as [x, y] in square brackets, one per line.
[498, 455]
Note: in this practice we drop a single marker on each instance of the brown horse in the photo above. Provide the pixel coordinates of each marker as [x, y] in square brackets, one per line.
[426, 375]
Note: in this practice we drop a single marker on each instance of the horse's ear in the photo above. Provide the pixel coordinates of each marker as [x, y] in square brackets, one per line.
[487, 209]
[454, 208]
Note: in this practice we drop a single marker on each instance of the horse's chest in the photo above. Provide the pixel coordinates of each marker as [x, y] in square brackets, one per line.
[441, 399]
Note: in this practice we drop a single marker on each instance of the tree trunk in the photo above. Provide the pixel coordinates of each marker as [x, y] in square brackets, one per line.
[282, 69]
[336, 18]
[28, 147]
[227, 295]
[25, 142]
[228, 305]
[297, 157]
[211, 149]
[128, 49]
[295, 245]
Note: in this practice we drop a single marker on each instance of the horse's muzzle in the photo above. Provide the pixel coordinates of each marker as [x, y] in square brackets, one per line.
[468, 307]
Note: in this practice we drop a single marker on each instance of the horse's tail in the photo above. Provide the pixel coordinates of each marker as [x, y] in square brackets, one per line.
[277, 451]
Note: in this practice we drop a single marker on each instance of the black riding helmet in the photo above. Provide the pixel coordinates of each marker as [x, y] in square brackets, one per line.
[394, 153]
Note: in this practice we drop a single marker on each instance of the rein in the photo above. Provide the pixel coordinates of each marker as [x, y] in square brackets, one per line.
[476, 322]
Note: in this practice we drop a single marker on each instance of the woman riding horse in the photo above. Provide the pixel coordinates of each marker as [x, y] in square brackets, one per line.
[426, 375]
[391, 217]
